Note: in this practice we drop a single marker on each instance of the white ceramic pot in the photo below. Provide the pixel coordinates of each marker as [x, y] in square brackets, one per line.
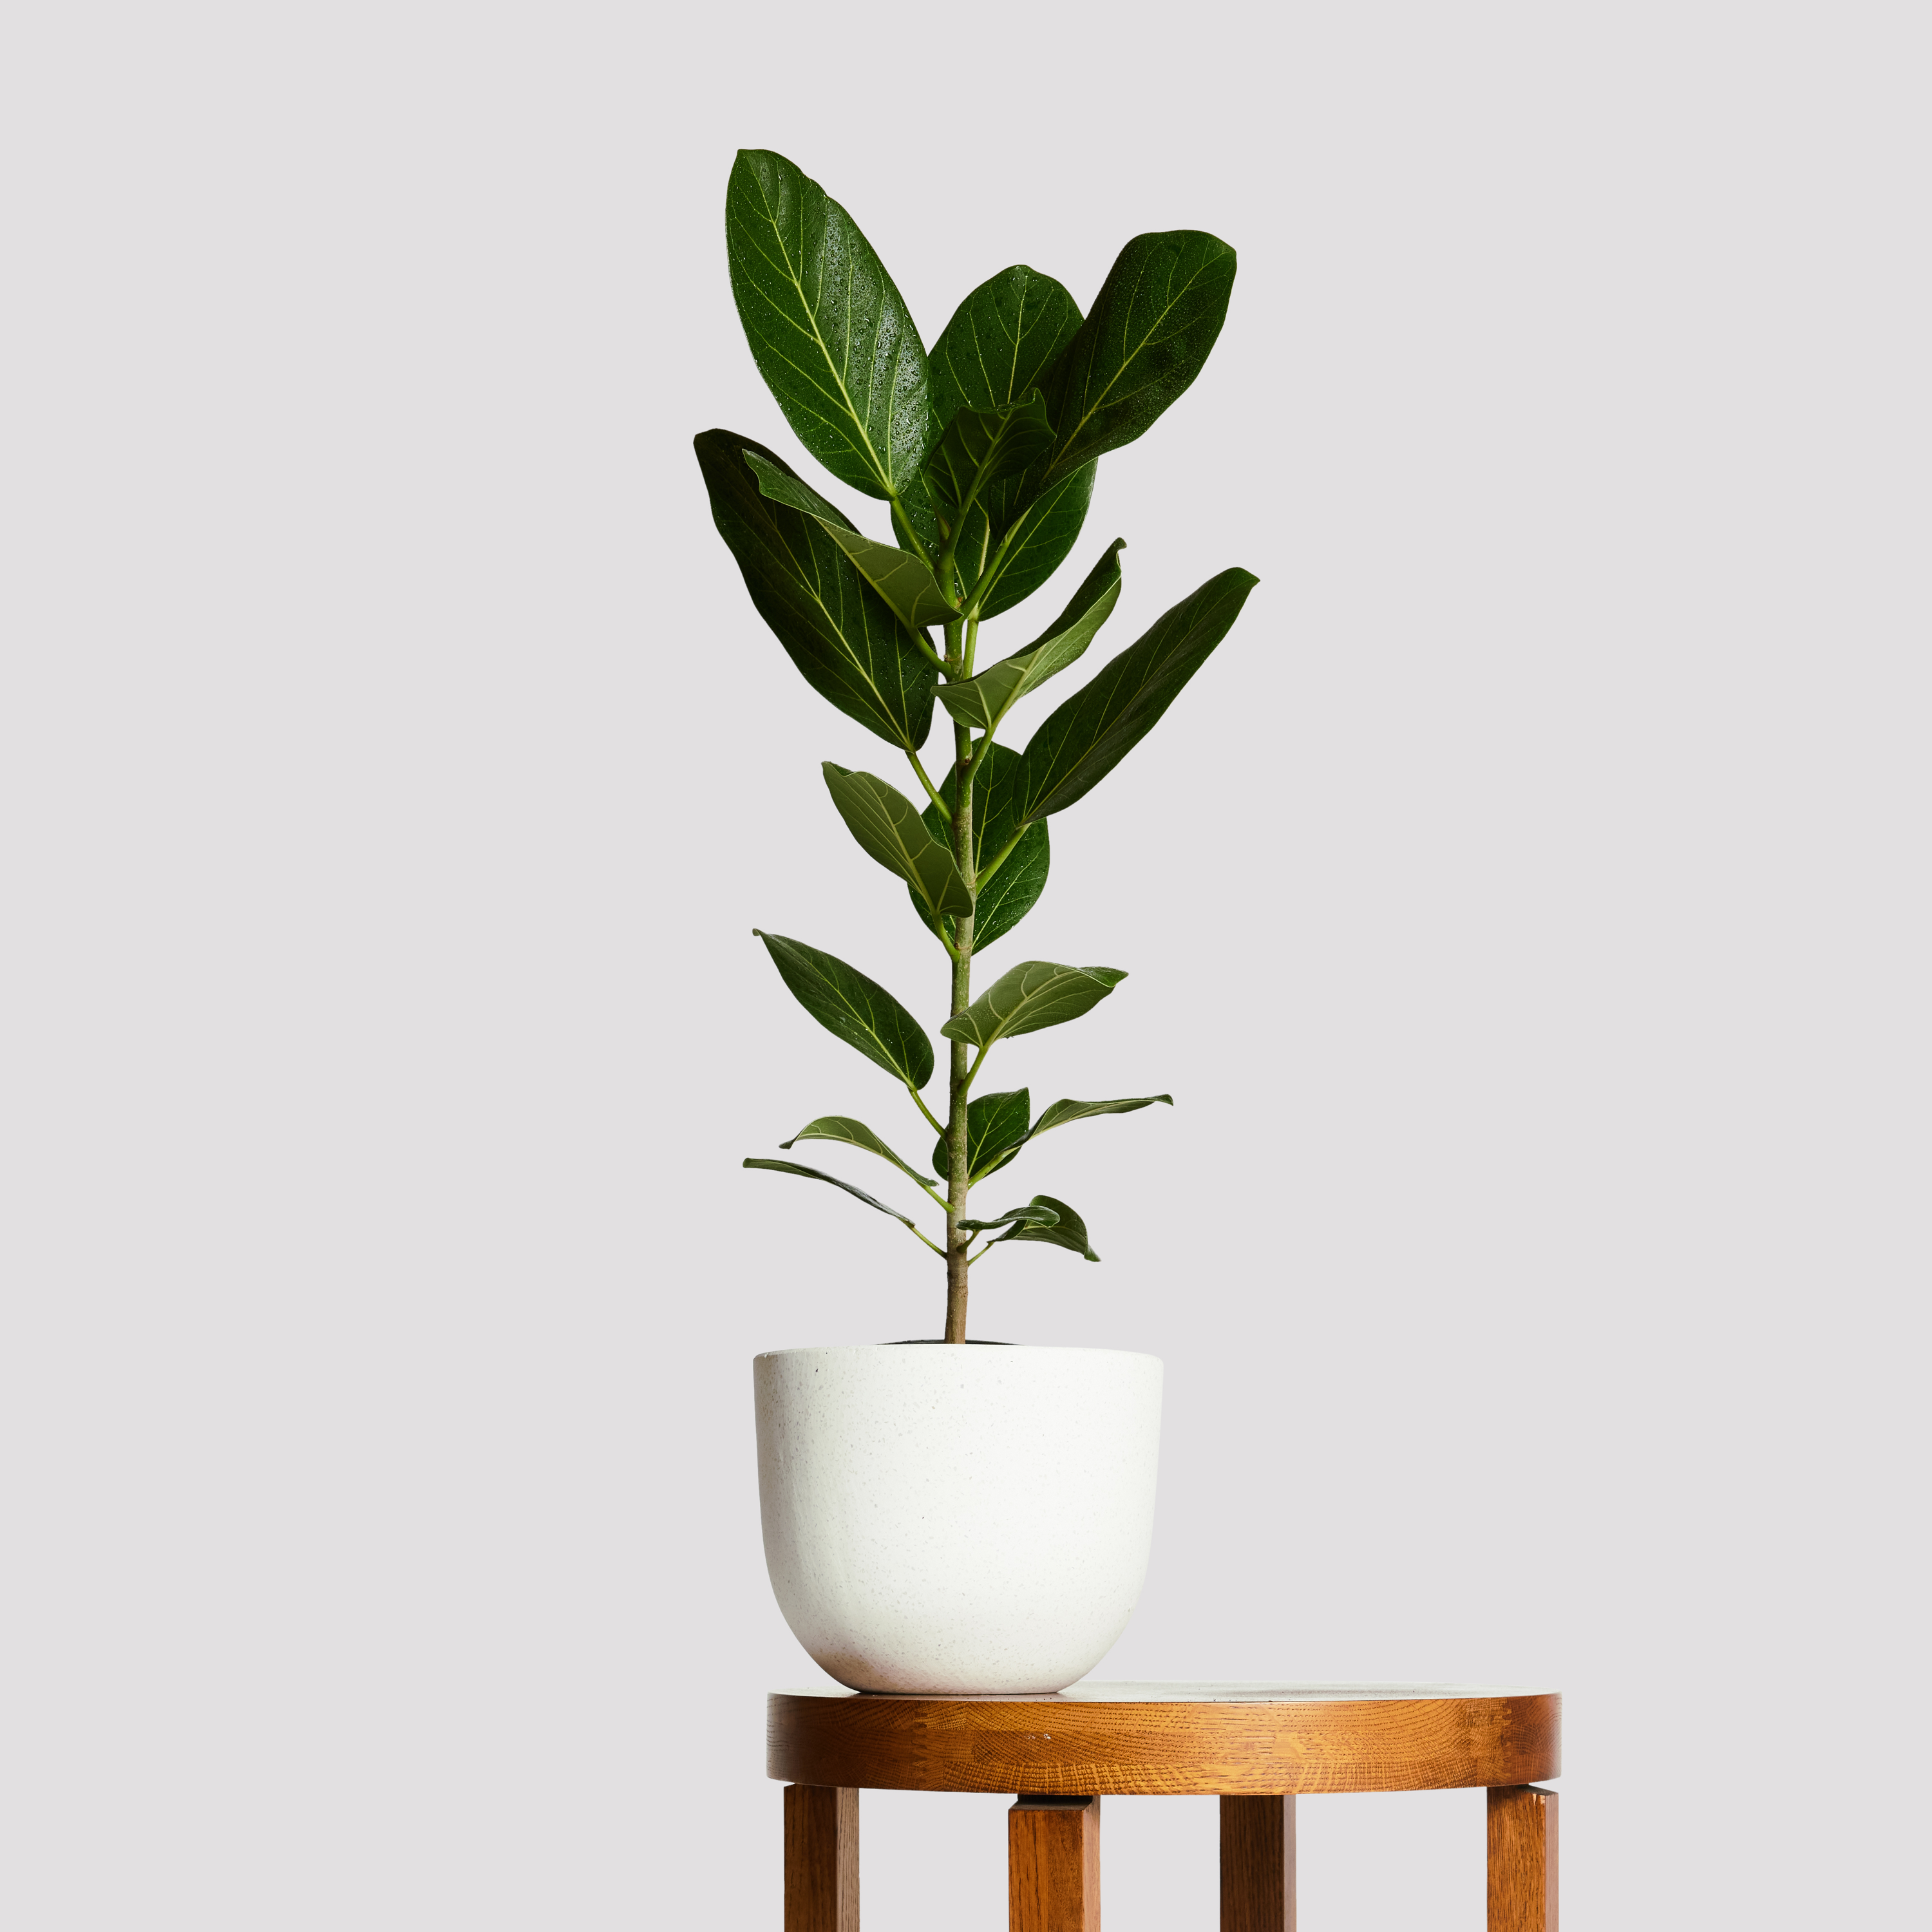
[957, 1520]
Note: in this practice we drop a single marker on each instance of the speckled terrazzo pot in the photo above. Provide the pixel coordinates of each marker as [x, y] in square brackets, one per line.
[957, 1520]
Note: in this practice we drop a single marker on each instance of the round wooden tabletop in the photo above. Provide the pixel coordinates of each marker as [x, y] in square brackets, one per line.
[1170, 1738]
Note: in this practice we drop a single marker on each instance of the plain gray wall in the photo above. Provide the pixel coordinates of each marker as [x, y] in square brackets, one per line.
[1525, 907]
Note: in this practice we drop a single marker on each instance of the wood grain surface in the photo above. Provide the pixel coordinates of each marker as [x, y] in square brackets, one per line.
[821, 1859]
[1522, 1860]
[1258, 1864]
[1053, 1864]
[1074, 1746]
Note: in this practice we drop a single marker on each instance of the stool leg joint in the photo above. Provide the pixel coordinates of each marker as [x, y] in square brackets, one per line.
[1257, 1863]
[1053, 1864]
[1522, 1858]
[821, 1858]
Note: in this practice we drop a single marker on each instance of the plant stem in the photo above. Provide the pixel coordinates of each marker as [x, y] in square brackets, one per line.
[945, 810]
[937, 1126]
[989, 574]
[1005, 852]
[911, 535]
[958, 1183]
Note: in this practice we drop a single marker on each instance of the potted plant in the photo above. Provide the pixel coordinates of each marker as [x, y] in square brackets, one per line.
[955, 1519]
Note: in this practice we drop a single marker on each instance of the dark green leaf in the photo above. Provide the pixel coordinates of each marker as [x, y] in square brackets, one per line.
[983, 702]
[899, 578]
[1062, 1111]
[1100, 724]
[982, 446]
[887, 823]
[1004, 337]
[831, 336]
[1011, 893]
[999, 575]
[1035, 993]
[1002, 340]
[779, 484]
[832, 1179]
[858, 1010]
[1033, 1216]
[897, 575]
[1153, 323]
[847, 641]
[1068, 1231]
[852, 1133]
[996, 1126]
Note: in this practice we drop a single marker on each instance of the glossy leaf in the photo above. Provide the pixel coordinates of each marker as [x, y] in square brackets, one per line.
[1062, 1111]
[1001, 341]
[1156, 318]
[832, 1181]
[1100, 724]
[1068, 1231]
[982, 446]
[848, 643]
[852, 1133]
[983, 702]
[1032, 1216]
[887, 825]
[831, 336]
[1012, 892]
[1035, 993]
[899, 578]
[858, 1010]
[896, 574]
[996, 1127]
[999, 575]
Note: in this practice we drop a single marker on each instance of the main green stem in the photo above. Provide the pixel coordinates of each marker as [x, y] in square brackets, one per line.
[958, 1183]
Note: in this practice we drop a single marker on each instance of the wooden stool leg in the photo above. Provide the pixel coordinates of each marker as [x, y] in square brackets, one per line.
[1522, 1858]
[821, 1858]
[1053, 1864]
[1258, 1864]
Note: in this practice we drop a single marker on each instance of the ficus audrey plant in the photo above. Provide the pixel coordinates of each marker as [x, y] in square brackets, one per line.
[984, 451]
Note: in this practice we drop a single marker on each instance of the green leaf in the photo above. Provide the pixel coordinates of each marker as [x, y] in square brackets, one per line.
[887, 823]
[1011, 893]
[858, 1010]
[897, 575]
[999, 346]
[1152, 325]
[1001, 341]
[899, 578]
[831, 336]
[779, 484]
[1069, 1230]
[1035, 993]
[983, 702]
[852, 1133]
[1100, 724]
[1062, 1111]
[982, 446]
[997, 577]
[1032, 1216]
[996, 1128]
[848, 643]
[832, 1181]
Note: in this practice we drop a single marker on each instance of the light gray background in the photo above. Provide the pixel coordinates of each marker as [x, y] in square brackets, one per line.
[1525, 907]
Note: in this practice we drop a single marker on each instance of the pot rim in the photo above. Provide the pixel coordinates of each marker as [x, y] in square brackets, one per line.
[883, 1348]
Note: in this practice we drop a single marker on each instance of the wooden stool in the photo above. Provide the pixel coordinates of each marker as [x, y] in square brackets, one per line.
[1254, 1746]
